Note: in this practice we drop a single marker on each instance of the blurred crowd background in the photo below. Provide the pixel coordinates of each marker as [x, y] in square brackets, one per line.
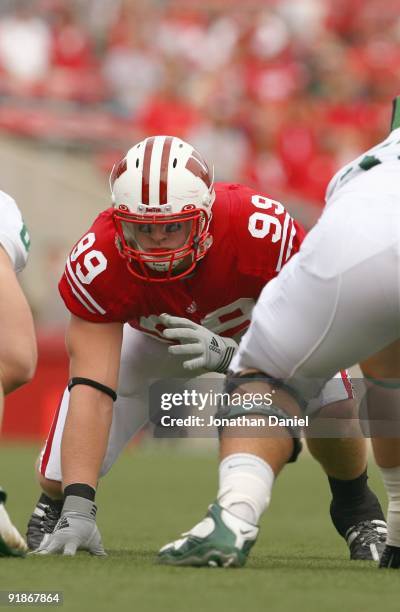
[275, 93]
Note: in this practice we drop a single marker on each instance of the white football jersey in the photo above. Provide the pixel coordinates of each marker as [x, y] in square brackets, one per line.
[386, 151]
[14, 236]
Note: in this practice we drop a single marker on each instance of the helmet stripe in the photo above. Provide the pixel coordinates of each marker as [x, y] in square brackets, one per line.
[146, 170]
[164, 170]
[155, 169]
[197, 166]
[118, 169]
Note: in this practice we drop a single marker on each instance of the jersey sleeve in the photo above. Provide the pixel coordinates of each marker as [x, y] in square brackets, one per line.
[266, 234]
[89, 285]
[14, 237]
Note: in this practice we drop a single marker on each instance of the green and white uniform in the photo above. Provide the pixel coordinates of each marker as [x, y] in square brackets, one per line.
[14, 236]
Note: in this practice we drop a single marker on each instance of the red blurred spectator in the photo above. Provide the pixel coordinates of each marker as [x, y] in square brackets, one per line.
[168, 110]
[75, 71]
[71, 45]
[282, 92]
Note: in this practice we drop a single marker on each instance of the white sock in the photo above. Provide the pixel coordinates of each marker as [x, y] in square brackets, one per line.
[391, 479]
[245, 484]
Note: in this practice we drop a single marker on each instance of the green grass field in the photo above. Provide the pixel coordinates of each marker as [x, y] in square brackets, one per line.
[299, 563]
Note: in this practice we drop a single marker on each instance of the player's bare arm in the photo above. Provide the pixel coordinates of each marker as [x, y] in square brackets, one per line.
[94, 350]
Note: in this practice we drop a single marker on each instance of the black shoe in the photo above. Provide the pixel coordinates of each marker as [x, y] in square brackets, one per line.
[366, 540]
[43, 520]
[390, 557]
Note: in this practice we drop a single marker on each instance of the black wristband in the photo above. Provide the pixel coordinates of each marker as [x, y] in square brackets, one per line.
[77, 380]
[80, 490]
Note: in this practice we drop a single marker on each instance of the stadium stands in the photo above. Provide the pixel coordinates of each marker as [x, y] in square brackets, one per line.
[278, 94]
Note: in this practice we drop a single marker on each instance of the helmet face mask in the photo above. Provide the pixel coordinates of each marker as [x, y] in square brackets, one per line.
[159, 263]
[162, 193]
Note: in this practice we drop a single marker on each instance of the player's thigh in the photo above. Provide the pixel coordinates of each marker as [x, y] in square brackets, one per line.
[143, 360]
[336, 389]
[293, 313]
[306, 328]
[336, 399]
[366, 315]
[127, 420]
[50, 457]
[334, 414]
[382, 383]
[384, 364]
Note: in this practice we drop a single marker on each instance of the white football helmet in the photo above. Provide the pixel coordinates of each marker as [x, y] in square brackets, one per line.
[162, 180]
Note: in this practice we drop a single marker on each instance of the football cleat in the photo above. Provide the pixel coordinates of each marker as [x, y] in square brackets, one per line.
[390, 557]
[12, 543]
[366, 540]
[43, 520]
[221, 539]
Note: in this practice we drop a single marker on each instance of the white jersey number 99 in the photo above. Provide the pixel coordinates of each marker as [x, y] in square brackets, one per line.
[94, 261]
[260, 223]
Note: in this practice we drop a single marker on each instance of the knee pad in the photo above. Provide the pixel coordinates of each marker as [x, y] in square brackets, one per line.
[233, 380]
[392, 383]
[233, 412]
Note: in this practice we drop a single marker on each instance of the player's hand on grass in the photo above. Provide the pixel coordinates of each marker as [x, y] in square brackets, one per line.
[201, 347]
[76, 530]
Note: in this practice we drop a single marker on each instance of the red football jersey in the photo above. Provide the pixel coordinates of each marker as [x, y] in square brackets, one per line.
[253, 237]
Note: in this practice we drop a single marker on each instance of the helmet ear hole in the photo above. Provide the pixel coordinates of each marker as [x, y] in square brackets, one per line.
[174, 163]
[137, 163]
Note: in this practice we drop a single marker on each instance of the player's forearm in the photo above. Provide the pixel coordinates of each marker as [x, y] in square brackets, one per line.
[94, 351]
[85, 436]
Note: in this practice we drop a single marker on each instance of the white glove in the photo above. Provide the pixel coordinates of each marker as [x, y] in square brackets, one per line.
[13, 542]
[75, 530]
[205, 349]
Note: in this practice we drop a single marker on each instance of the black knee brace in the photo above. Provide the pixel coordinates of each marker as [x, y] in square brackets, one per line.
[233, 381]
[391, 383]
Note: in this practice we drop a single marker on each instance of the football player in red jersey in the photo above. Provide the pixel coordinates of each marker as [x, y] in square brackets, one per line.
[173, 242]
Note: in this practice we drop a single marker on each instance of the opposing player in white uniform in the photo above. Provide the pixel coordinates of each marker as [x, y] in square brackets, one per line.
[336, 303]
[160, 250]
[18, 343]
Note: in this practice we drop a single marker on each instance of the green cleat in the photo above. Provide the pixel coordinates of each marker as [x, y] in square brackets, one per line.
[221, 539]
